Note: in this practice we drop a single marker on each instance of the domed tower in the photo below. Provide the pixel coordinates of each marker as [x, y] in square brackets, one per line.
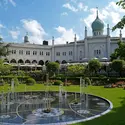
[26, 39]
[97, 26]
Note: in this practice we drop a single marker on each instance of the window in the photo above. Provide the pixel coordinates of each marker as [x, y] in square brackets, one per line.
[97, 52]
[34, 52]
[57, 53]
[70, 53]
[64, 53]
[80, 53]
[41, 53]
[27, 52]
[20, 52]
[13, 51]
[47, 53]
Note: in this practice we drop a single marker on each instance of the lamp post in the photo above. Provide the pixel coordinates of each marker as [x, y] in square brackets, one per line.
[47, 78]
[65, 75]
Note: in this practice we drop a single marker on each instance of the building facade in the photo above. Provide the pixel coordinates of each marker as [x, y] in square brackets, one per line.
[98, 45]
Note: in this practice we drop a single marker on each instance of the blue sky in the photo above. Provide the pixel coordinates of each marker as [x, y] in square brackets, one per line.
[43, 19]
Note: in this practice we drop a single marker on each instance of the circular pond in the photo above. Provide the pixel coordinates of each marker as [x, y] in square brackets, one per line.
[50, 108]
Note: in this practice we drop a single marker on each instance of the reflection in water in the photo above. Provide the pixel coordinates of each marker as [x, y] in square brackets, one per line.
[53, 107]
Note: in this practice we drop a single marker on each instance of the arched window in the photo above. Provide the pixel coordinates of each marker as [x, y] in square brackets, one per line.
[27, 61]
[41, 62]
[20, 61]
[13, 61]
[34, 61]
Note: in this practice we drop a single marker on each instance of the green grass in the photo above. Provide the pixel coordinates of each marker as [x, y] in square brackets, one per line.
[115, 95]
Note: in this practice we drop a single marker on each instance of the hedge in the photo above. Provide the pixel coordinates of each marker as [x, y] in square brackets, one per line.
[101, 80]
[105, 80]
[37, 75]
[73, 80]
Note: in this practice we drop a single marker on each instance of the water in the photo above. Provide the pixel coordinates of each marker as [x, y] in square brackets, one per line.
[28, 107]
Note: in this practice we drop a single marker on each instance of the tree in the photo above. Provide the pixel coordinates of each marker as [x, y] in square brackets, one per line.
[121, 23]
[4, 48]
[118, 65]
[4, 68]
[119, 52]
[94, 65]
[52, 67]
[76, 69]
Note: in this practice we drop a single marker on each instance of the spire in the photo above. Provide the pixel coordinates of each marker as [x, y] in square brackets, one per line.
[85, 32]
[53, 40]
[97, 12]
[108, 30]
[75, 38]
[120, 35]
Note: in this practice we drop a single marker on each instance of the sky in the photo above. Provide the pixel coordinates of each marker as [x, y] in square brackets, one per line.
[62, 19]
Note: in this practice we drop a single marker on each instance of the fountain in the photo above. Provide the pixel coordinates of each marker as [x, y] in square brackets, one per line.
[47, 110]
[82, 104]
[50, 107]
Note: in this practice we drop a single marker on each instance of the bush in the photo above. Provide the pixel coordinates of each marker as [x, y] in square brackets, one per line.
[1, 82]
[58, 82]
[37, 75]
[68, 83]
[73, 80]
[30, 81]
[16, 82]
[87, 81]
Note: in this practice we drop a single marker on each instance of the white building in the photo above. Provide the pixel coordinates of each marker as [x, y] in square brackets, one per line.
[98, 45]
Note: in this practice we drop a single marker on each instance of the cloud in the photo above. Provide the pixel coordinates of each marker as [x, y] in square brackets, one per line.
[12, 2]
[14, 34]
[82, 7]
[70, 7]
[66, 35]
[64, 14]
[1, 26]
[5, 2]
[35, 30]
[75, 6]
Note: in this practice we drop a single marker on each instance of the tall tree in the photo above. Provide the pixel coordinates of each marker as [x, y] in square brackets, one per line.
[121, 23]
[119, 52]
[4, 68]
[94, 65]
[52, 67]
[117, 65]
[4, 48]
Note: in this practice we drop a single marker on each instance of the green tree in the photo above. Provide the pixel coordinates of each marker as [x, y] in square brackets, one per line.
[119, 53]
[76, 69]
[4, 68]
[94, 65]
[118, 65]
[52, 67]
[4, 48]
[121, 23]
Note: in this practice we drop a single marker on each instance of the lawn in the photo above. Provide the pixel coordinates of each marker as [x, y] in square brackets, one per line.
[115, 95]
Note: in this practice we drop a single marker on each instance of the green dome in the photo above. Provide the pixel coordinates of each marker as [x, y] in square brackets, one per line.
[97, 25]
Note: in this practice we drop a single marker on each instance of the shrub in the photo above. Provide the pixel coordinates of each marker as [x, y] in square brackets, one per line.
[87, 81]
[30, 81]
[58, 82]
[37, 75]
[68, 83]
[1, 82]
[73, 80]
[16, 82]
